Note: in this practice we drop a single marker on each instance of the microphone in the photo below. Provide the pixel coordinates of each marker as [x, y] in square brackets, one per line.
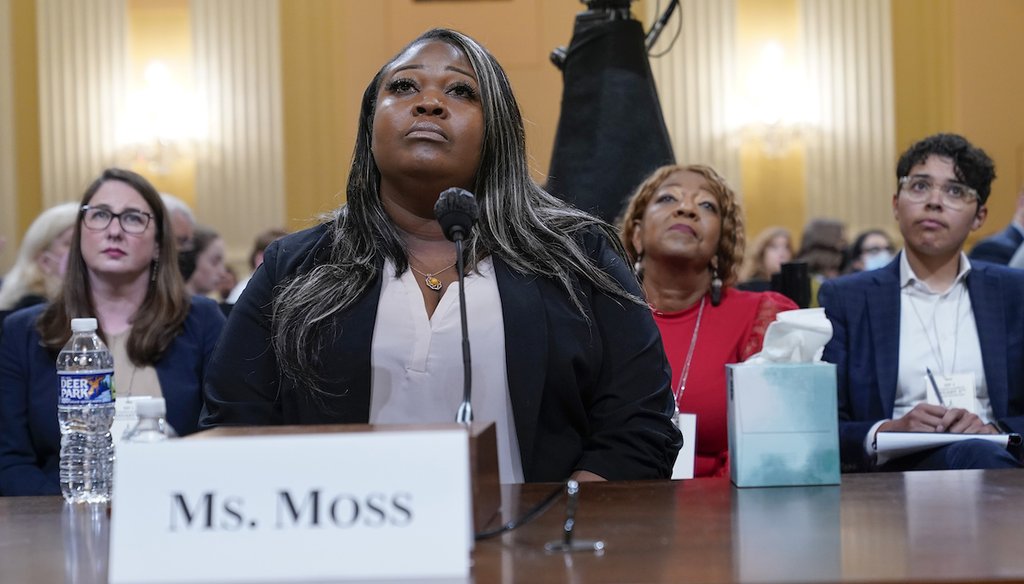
[456, 210]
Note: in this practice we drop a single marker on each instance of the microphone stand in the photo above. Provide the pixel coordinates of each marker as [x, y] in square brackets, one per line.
[464, 415]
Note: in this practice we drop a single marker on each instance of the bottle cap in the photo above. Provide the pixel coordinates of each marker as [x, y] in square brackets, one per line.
[154, 407]
[81, 325]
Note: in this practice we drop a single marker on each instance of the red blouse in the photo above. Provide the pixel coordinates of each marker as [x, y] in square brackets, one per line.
[729, 333]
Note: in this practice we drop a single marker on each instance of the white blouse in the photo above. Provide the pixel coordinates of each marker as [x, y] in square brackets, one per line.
[416, 361]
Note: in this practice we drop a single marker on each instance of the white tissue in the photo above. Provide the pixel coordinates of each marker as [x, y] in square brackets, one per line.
[796, 336]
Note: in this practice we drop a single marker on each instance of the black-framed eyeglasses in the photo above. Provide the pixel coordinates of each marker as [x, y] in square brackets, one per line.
[99, 218]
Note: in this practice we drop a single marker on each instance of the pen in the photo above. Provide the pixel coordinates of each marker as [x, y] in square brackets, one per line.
[938, 394]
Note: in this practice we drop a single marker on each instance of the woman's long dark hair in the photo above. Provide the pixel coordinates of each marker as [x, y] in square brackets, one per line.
[160, 317]
[532, 231]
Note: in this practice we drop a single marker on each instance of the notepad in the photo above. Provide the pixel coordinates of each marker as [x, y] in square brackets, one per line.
[890, 445]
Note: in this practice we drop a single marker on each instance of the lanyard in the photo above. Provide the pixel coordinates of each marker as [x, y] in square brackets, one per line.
[936, 347]
[678, 393]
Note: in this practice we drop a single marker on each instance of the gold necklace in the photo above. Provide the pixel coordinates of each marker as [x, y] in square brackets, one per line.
[431, 280]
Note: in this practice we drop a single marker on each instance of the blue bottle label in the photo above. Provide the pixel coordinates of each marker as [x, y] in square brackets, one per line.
[94, 387]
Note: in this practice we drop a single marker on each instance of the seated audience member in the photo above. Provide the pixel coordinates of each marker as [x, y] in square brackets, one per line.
[931, 324]
[357, 320]
[999, 248]
[183, 221]
[38, 272]
[255, 259]
[1017, 261]
[227, 283]
[121, 270]
[772, 248]
[823, 249]
[183, 225]
[871, 250]
[209, 269]
[683, 229]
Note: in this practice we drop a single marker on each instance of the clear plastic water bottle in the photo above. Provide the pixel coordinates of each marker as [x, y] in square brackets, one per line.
[86, 535]
[152, 425]
[85, 411]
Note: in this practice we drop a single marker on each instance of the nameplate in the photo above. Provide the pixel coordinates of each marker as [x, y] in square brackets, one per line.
[376, 504]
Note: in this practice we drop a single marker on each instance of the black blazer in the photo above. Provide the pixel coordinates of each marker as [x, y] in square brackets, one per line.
[588, 392]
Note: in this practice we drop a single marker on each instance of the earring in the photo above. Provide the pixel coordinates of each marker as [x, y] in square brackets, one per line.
[716, 288]
[638, 265]
[152, 270]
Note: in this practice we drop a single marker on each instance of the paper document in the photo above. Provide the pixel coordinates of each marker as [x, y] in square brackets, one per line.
[892, 445]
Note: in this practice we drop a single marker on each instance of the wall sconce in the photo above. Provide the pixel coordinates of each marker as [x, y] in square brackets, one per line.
[162, 122]
[775, 106]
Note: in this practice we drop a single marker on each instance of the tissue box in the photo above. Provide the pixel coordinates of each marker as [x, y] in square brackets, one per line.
[783, 424]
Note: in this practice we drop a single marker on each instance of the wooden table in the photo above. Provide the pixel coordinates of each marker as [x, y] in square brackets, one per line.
[953, 526]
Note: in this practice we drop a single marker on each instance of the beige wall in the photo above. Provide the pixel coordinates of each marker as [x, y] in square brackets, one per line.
[25, 73]
[160, 30]
[957, 68]
[331, 50]
[772, 182]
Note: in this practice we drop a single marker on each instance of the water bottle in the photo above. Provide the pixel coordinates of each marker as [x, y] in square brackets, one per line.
[86, 534]
[85, 411]
[152, 425]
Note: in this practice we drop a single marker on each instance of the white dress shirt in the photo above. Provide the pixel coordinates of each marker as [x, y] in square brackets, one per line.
[416, 361]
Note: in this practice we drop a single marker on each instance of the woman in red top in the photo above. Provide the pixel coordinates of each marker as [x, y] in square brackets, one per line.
[683, 229]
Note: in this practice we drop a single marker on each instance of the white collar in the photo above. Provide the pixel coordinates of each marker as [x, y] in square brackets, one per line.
[908, 277]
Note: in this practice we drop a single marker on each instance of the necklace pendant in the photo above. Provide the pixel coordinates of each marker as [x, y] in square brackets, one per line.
[433, 283]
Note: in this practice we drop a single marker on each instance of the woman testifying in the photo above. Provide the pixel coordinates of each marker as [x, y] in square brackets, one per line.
[357, 320]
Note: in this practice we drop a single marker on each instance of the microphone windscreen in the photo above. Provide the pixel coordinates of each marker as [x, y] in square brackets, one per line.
[456, 210]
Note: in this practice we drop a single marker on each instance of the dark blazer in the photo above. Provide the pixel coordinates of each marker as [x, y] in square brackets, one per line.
[590, 395]
[999, 248]
[865, 312]
[29, 435]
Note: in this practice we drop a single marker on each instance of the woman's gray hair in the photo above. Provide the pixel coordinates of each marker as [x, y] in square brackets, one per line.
[532, 231]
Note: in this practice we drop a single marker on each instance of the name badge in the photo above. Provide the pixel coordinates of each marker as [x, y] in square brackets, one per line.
[355, 505]
[683, 469]
[957, 391]
[125, 415]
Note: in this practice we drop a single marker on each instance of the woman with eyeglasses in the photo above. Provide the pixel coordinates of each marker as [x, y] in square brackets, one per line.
[872, 249]
[122, 270]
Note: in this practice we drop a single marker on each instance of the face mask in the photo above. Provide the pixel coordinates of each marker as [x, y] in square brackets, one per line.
[877, 260]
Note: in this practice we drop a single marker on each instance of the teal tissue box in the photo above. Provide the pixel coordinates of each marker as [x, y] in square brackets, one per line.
[783, 424]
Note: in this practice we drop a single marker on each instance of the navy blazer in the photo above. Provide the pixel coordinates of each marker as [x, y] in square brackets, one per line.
[587, 393]
[999, 248]
[29, 434]
[865, 312]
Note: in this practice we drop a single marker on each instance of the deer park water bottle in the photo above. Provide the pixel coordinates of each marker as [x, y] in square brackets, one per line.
[85, 411]
[152, 425]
